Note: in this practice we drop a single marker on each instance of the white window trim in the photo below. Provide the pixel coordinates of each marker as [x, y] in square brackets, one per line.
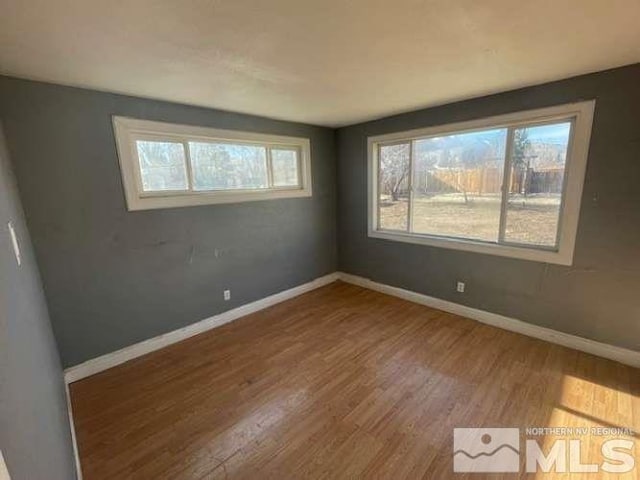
[576, 163]
[127, 130]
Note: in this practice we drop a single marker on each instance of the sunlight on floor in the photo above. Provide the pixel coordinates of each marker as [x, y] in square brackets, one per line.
[610, 417]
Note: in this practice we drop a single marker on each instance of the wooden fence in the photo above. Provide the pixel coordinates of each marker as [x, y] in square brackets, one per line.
[489, 181]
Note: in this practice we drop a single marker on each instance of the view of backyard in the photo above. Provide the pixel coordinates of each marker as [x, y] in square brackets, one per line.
[455, 182]
[531, 220]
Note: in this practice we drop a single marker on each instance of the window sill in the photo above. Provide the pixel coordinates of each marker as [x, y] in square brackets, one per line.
[559, 257]
[189, 199]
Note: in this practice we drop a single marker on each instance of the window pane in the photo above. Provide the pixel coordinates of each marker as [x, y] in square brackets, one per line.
[537, 179]
[162, 166]
[393, 197]
[285, 168]
[223, 166]
[457, 185]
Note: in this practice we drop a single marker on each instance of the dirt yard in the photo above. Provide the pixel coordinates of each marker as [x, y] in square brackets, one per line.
[531, 220]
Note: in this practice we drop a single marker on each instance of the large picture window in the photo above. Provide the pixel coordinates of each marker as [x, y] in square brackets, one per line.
[508, 185]
[166, 165]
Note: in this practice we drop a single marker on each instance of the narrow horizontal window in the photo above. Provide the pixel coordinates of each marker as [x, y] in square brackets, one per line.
[165, 165]
[507, 185]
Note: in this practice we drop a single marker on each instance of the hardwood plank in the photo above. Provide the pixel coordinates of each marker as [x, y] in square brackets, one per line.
[341, 382]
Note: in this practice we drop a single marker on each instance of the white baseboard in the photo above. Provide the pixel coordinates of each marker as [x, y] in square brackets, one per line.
[72, 426]
[622, 355]
[104, 362]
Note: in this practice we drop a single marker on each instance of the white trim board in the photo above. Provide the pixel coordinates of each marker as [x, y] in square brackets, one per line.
[72, 426]
[618, 354]
[104, 362]
[109, 360]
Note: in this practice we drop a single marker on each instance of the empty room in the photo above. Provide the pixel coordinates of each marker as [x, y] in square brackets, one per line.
[297, 239]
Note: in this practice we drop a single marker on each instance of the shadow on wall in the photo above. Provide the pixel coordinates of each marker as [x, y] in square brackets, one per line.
[35, 438]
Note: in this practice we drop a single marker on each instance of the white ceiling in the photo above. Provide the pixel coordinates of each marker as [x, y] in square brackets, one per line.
[324, 62]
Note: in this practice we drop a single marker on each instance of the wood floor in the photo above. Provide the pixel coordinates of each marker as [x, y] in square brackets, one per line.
[340, 383]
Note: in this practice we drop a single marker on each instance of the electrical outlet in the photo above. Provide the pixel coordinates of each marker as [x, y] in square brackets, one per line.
[460, 287]
[227, 295]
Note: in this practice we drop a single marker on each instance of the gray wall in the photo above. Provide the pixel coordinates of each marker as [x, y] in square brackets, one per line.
[113, 277]
[34, 431]
[598, 297]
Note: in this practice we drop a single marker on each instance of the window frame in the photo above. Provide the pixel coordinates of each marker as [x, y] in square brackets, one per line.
[581, 116]
[128, 130]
